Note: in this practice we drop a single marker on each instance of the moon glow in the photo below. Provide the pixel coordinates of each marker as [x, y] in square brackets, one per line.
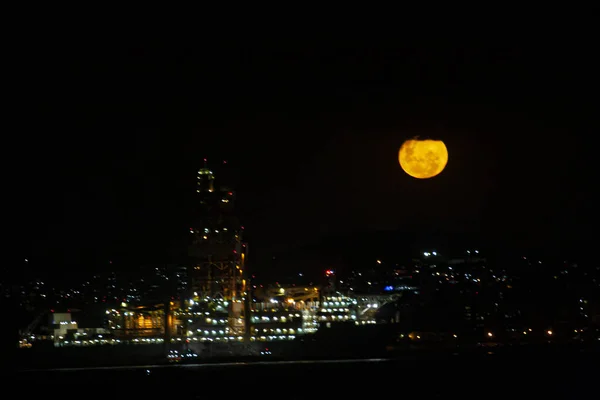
[423, 159]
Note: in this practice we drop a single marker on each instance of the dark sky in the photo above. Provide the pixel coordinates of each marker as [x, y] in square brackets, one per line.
[113, 134]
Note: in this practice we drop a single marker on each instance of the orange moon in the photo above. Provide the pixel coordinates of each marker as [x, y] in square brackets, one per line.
[423, 159]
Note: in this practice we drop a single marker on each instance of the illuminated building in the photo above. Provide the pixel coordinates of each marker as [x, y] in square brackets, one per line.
[339, 308]
[216, 249]
[285, 310]
[66, 332]
[128, 322]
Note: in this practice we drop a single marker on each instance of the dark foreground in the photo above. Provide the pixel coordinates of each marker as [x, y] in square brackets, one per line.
[522, 373]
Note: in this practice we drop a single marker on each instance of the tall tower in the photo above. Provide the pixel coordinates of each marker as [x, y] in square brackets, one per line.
[216, 250]
[206, 179]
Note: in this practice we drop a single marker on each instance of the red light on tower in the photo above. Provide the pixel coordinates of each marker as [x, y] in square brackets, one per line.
[329, 272]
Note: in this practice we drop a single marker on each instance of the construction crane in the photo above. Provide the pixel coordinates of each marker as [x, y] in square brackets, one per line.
[33, 325]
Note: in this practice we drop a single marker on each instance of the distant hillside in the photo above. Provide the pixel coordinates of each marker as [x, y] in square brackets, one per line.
[364, 248]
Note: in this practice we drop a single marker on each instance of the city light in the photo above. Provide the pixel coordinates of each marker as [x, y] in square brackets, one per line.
[213, 302]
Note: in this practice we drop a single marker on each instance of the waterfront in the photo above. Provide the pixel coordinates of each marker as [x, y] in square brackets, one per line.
[268, 222]
[557, 373]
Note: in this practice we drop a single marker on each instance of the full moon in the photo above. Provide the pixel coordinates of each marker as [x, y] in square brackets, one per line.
[423, 159]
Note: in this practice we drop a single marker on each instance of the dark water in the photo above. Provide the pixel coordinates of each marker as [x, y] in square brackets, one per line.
[560, 375]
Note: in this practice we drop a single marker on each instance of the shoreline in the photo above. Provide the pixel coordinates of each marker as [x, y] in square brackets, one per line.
[123, 360]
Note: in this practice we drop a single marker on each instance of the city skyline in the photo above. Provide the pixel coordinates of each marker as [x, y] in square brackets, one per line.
[257, 210]
[311, 139]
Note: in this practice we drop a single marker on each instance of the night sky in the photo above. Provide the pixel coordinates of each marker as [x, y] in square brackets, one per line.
[112, 136]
